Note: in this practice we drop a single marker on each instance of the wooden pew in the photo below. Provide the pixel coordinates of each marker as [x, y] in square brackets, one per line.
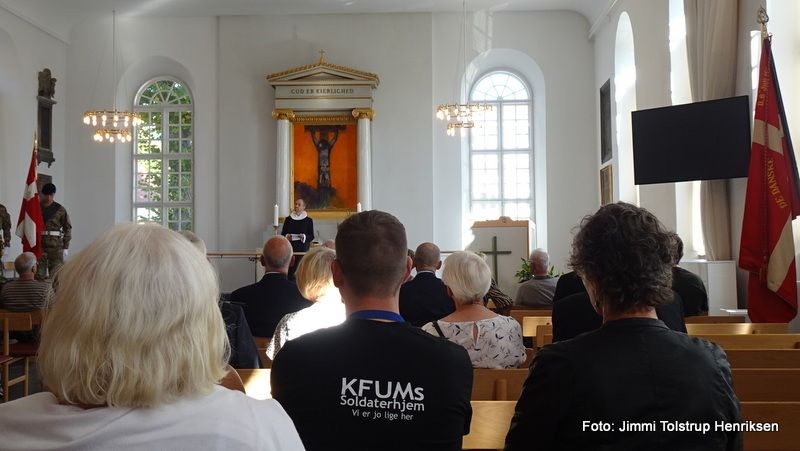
[497, 384]
[786, 414]
[755, 341]
[491, 420]
[764, 358]
[261, 346]
[737, 328]
[518, 313]
[256, 382]
[713, 319]
[489, 425]
[542, 332]
[767, 384]
[530, 323]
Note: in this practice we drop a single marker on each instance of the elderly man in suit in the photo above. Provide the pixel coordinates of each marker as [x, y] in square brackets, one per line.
[424, 298]
[266, 301]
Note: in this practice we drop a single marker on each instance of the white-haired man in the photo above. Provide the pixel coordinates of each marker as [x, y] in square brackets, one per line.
[537, 292]
[24, 294]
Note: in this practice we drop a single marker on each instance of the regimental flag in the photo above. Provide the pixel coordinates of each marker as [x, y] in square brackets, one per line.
[30, 223]
[772, 201]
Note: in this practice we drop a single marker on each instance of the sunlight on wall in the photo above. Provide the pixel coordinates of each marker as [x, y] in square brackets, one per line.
[625, 97]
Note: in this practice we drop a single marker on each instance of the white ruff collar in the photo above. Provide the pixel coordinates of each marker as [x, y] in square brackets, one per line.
[296, 217]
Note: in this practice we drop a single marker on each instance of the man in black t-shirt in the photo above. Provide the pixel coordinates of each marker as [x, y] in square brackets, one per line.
[374, 382]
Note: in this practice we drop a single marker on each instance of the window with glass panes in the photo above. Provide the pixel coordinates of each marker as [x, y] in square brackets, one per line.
[501, 153]
[163, 155]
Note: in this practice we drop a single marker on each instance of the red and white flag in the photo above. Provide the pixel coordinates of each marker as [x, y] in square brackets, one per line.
[30, 223]
[772, 201]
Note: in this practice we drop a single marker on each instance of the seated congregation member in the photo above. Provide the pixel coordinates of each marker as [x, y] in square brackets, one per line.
[24, 294]
[244, 353]
[424, 298]
[374, 382]
[568, 284]
[539, 290]
[315, 281]
[132, 348]
[633, 370]
[268, 300]
[492, 340]
[575, 315]
[688, 284]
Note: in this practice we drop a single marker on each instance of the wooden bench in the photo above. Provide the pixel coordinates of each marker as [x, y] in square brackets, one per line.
[764, 358]
[497, 384]
[529, 355]
[785, 414]
[518, 313]
[256, 382]
[542, 332]
[489, 425]
[755, 341]
[737, 328]
[713, 319]
[491, 420]
[11, 354]
[767, 384]
[261, 344]
[530, 323]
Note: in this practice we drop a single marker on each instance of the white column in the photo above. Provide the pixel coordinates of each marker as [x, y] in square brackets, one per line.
[283, 175]
[364, 158]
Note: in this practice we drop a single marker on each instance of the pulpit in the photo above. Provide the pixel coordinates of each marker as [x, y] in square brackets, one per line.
[506, 243]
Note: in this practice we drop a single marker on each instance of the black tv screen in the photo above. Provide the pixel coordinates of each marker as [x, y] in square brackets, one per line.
[696, 141]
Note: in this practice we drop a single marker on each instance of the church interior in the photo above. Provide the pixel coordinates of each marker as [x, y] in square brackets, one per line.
[482, 125]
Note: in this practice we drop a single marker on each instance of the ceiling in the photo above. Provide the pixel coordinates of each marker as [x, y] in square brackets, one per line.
[58, 17]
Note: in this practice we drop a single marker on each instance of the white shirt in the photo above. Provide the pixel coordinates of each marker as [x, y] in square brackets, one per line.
[222, 420]
[328, 311]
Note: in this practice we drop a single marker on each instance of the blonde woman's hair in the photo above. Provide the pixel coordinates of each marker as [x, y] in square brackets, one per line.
[467, 276]
[195, 240]
[313, 275]
[134, 322]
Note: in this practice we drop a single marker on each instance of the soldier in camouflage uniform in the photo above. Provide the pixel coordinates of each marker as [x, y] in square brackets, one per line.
[5, 238]
[55, 240]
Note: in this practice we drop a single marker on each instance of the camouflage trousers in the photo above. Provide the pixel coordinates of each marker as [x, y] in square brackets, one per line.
[52, 257]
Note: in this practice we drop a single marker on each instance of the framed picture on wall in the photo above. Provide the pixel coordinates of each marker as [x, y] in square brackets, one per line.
[605, 122]
[606, 185]
[324, 167]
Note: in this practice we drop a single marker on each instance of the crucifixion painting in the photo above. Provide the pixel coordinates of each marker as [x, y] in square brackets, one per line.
[329, 147]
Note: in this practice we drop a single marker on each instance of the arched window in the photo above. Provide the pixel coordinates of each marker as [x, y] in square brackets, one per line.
[163, 155]
[501, 153]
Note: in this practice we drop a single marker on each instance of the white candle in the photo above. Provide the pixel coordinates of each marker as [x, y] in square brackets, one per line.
[358, 207]
[275, 216]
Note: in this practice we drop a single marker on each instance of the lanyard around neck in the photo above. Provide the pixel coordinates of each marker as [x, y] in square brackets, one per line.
[377, 314]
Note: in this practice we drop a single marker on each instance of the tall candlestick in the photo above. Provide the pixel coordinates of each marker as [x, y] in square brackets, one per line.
[275, 217]
[358, 207]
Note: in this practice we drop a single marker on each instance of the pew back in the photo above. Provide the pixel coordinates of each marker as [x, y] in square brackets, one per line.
[754, 341]
[713, 319]
[497, 384]
[737, 328]
[785, 414]
[764, 358]
[767, 384]
[530, 323]
[489, 425]
[256, 382]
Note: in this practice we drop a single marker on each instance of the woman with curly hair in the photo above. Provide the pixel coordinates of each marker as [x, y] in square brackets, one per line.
[621, 386]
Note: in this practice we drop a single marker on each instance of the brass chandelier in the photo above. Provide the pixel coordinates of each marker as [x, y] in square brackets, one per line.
[112, 125]
[460, 115]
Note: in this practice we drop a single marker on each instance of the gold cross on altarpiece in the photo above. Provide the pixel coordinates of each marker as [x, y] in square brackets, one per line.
[494, 253]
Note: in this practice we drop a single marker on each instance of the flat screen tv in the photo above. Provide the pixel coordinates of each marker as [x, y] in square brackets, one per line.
[696, 141]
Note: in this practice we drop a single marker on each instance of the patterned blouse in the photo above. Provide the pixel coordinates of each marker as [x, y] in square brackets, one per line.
[499, 343]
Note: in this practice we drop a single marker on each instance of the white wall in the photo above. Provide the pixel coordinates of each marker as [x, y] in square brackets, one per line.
[557, 43]
[24, 51]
